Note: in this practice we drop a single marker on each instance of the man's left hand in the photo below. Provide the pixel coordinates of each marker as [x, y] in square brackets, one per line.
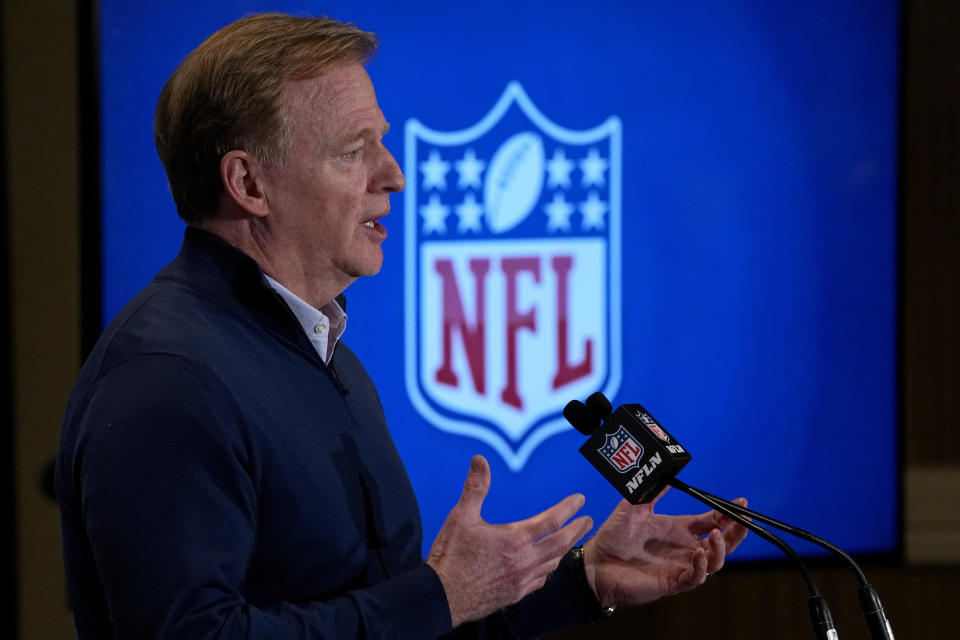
[639, 556]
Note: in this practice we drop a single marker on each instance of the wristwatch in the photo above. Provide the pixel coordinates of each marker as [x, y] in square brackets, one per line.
[597, 610]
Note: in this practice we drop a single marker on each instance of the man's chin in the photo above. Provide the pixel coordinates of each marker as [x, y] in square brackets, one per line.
[368, 268]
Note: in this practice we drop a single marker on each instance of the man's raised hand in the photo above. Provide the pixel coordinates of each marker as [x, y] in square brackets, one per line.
[639, 556]
[485, 567]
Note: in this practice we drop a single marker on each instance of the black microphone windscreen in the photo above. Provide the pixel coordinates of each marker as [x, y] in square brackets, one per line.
[577, 414]
[598, 405]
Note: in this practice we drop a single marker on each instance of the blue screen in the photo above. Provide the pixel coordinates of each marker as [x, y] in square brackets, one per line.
[686, 205]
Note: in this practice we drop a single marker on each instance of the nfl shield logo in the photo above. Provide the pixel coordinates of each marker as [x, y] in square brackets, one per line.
[512, 273]
[652, 425]
[621, 450]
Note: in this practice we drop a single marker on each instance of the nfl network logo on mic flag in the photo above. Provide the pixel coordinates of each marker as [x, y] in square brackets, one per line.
[512, 273]
[621, 450]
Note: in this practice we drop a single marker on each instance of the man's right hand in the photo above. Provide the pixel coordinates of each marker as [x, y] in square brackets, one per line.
[485, 567]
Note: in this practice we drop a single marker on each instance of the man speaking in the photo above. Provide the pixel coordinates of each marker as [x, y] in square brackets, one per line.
[225, 469]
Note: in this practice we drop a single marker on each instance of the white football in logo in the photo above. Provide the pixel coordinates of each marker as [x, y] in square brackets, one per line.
[513, 181]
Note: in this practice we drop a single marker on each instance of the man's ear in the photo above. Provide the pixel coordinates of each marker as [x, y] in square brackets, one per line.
[242, 178]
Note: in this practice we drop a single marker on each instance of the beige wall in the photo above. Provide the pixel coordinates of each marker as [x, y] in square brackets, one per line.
[41, 129]
[40, 88]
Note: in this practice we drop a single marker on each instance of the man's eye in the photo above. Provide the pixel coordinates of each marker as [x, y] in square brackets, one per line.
[353, 154]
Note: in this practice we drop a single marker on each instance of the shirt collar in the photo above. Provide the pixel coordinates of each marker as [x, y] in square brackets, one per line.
[323, 326]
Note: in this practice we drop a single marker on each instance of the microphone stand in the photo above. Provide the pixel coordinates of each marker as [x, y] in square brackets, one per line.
[869, 598]
[820, 615]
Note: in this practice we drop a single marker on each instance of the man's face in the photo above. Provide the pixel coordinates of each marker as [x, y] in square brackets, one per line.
[327, 198]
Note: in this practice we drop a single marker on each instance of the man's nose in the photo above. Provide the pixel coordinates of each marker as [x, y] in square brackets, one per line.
[390, 177]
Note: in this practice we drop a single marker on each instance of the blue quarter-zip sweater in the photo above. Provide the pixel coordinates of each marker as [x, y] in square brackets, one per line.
[217, 480]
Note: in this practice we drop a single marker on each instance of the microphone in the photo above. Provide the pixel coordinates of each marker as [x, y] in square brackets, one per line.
[639, 457]
[869, 599]
[632, 450]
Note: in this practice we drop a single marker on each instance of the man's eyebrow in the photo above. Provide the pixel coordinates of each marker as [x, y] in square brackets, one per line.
[366, 133]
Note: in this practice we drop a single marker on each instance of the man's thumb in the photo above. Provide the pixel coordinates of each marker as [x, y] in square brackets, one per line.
[476, 486]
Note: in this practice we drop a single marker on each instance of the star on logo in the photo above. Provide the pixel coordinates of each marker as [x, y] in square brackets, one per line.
[434, 215]
[469, 169]
[469, 212]
[558, 213]
[593, 210]
[593, 168]
[434, 171]
[558, 169]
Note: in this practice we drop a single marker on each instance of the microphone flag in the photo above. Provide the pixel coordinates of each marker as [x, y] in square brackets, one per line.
[635, 453]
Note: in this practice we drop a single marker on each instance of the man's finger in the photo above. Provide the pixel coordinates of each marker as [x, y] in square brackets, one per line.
[552, 519]
[709, 520]
[696, 573]
[733, 536]
[553, 547]
[716, 548]
[724, 521]
[476, 486]
[662, 493]
[559, 542]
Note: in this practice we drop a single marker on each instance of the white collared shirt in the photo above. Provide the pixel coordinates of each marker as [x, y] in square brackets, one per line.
[323, 326]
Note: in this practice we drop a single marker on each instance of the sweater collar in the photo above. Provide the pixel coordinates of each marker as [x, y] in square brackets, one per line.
[228, 275]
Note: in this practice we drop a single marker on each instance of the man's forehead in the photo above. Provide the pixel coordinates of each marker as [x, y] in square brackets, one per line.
[338, 97]
[333, 88]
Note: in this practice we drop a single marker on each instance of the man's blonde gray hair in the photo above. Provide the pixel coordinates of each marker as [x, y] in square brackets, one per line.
[228, 94]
